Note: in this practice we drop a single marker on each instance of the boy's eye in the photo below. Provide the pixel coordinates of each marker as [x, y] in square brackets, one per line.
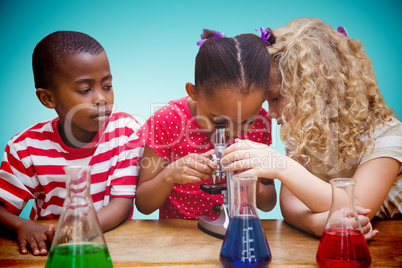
[84, 91]
[108, 87]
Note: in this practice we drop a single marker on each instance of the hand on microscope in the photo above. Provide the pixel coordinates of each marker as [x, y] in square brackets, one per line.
[158, 173]
[192, 168]
[252, 158]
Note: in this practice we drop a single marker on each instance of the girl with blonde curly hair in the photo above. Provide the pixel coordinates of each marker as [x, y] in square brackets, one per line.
[335, 123]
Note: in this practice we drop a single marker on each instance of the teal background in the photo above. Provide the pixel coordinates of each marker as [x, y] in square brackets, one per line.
[151, 47]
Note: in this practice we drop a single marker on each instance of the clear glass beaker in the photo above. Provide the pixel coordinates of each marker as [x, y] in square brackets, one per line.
[342, 243]
[245, 243]
[78, 240]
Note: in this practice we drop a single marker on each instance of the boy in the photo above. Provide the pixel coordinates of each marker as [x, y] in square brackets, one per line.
[72, 76]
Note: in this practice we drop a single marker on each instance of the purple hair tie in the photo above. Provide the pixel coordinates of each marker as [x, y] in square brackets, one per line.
[343, 31]
[216, 34]
[265, 34]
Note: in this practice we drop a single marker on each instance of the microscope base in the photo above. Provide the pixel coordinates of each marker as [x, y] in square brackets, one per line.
[216, 228]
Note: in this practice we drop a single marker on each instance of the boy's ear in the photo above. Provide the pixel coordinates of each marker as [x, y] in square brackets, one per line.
[45, 96]
[191, 91]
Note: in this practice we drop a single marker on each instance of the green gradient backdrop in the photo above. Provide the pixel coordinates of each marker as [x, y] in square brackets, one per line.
[152, 45]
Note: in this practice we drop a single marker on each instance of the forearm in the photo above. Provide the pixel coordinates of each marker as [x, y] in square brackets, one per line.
[296, 213]
[117, 211]
[311, 190]
[251, 158]
[152, 194]
[307, 220]
[374, 180]
[266, 195]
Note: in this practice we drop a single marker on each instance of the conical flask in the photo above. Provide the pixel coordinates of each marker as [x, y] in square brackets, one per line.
[78, 240]
[342, 243]
[245, 243]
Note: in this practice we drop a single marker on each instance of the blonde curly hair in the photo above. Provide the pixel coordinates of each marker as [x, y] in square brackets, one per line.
[332, 96]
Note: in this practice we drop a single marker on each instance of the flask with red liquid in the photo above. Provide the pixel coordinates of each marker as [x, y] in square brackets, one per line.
[342, 243]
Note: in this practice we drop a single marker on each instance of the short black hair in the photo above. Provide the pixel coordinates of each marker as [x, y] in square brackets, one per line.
[241, 62]
[51, 50]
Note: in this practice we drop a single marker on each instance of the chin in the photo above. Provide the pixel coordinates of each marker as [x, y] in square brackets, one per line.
[95, 127]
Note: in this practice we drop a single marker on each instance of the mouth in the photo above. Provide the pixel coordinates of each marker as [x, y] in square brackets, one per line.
[102, 115]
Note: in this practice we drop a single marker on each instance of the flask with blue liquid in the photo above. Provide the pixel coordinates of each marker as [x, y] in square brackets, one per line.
[245, 243]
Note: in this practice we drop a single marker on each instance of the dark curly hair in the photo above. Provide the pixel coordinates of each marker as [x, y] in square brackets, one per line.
[50, 51]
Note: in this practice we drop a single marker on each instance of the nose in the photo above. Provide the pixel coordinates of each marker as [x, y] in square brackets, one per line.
[100, 99]
[272, 114]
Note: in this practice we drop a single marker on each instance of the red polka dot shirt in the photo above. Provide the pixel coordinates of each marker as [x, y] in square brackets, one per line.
[172, 133]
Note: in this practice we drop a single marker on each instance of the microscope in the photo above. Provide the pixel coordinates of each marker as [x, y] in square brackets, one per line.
[218, 226]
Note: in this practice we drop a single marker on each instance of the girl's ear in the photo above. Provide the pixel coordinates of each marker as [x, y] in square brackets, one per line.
[45, 96]
[191, 91]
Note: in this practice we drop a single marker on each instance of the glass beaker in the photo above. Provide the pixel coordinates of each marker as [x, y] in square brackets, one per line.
[245, 243]
[342, 243]
[78, 240]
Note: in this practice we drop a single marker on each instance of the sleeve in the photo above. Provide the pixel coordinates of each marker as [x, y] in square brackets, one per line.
[15, 181]
[387, 144]
[159, 131]
[261, 130]
[126, 169]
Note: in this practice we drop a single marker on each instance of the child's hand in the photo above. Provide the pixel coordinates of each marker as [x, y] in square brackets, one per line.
[368, 231]
[347, 218]
[191, 169]
[253, 158]
[37, 236]
[77, 232]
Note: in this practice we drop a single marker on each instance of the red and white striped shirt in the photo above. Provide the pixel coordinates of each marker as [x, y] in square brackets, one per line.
[33, 161]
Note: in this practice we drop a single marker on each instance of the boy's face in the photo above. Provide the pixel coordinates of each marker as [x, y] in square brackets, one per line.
[83, 95]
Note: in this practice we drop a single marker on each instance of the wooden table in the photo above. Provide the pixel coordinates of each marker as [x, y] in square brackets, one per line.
[179, 243]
